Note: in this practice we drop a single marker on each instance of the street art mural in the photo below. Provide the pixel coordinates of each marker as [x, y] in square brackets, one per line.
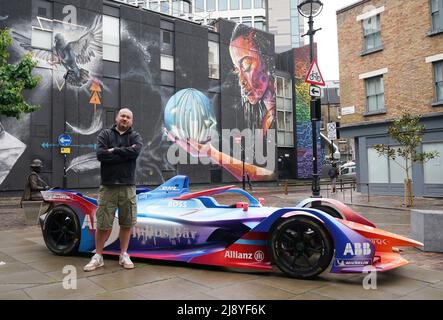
[303, 115]
[186, 113]
[253, 64]
[68, 51]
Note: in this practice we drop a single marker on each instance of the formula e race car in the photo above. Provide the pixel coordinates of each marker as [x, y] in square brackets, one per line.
[174, 224]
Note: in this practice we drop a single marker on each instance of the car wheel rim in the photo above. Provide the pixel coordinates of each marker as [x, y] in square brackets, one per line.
[61, 230]
[300, 247]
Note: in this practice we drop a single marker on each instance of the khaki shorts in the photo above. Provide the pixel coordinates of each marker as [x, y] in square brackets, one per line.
[112, 197]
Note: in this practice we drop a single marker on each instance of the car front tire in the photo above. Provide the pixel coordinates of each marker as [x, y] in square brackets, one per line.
[301, 247]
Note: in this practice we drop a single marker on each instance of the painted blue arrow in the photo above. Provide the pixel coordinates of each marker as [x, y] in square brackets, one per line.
[47, 145]
[93, 146]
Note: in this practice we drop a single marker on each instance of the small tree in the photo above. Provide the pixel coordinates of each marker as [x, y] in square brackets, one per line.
[14, 78]
[408, 132]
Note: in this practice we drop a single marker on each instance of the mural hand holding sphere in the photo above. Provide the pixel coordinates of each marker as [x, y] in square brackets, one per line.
[190, 123]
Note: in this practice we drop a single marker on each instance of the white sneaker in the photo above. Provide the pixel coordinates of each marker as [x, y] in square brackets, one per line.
[96, 262]
[125, 261]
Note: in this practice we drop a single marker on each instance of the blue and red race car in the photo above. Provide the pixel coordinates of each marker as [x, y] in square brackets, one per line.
[174, 224]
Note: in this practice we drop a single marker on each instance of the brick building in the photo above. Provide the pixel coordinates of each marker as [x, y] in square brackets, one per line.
[391, 61]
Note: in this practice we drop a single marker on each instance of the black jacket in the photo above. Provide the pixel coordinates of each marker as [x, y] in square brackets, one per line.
[118, 167]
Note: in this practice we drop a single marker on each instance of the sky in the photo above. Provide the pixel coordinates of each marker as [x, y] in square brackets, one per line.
[327, 37]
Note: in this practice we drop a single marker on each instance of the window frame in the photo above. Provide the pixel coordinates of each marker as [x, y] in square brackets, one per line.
[217, 63]
[434, 28]
[378, 110]
[286, 97]
[372, 34]
[109, 44]
[436, 82]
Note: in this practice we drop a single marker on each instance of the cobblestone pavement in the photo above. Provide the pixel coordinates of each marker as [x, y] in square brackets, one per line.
[28, 270]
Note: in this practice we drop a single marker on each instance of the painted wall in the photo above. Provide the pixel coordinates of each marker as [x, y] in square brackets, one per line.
[136, 82]
[303, 115]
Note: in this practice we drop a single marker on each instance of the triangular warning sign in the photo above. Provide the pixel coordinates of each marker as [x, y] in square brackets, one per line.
[95, 87]
[95, 99]
[314, 75]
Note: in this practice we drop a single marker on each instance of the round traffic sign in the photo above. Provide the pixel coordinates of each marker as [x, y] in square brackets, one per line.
[64, 140]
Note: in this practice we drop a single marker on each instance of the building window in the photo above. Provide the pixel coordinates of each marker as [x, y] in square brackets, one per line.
[210, 5]
[111, 38]
[222, 5]
[235, 4]
[186, 7]
[259, 23]
[176, 8]
[285, 127]
[433, 169]
[246, 4]
[247, 21]
[153, 5]
[372, 33]
[213, 60]
[384, 170]
[167, 62]
[436, 14]
[199, 6]
[164, 7]
[259, 4]
[41, 39]
[41, 36]
[167, 50]
[375, 97]
[438, 76]
[235, 19]
[378, 171]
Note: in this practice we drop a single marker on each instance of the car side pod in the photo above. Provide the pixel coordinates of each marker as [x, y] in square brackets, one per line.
[386, 255]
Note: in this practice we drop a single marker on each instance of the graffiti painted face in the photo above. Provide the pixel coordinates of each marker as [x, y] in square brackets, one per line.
[251, 70]
[124, 120]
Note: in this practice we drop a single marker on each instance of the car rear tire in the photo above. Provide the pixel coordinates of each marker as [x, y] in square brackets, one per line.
[61, 231]
[301, 247]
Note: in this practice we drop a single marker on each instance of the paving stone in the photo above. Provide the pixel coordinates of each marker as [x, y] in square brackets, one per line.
[30, 257]
[126, 279]
[294, 286]
[354, 292]
[6, 258]
[172, 270]
[13, 287]
[108, 268]
[438, 285]
[14, 295]
[117, 295]
[216, 279]
[249, 291]
[310, 296]
[24, 249]
[25, 277]
[55, 291]
[170, 289]
[53, 263]
[399, 285]
[425, 294]
[12, 267]
[417, 273]
[6, 244]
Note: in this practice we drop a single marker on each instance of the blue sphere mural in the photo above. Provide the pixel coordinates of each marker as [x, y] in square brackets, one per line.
[189, 115]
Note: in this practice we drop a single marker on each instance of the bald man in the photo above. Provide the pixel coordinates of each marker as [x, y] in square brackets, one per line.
[117, 151]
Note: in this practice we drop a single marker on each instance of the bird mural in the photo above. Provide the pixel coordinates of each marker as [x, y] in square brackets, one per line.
[71, 55]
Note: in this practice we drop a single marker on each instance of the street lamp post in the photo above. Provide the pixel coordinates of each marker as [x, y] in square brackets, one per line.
[310, 9]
